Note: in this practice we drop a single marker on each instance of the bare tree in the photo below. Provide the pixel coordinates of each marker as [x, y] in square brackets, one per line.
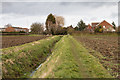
[37, 28]
[8, 25]
[59, 24]
[53, 23]
[59, 21]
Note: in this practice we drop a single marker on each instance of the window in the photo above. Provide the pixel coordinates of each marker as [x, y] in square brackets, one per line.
[103, 26]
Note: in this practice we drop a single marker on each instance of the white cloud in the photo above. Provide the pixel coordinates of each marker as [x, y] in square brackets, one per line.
[60, 0]
[24, 14]
[20, 20]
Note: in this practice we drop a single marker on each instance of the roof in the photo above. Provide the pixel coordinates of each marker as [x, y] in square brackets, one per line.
[95, 23]
[19, 28]
[88, 25]
[25, 28]
[105, 22]
[16, 28]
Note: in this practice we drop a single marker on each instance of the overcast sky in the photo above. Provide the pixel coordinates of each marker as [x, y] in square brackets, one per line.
[23, 14]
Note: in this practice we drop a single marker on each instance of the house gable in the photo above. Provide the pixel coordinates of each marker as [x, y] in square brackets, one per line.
[105, 23]
[106, 26]
[89, 26]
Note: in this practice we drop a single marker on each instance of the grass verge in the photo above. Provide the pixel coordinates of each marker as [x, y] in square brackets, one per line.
[20, 61]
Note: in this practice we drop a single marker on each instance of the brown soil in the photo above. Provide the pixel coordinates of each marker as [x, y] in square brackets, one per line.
[18, 40]
[107, 46]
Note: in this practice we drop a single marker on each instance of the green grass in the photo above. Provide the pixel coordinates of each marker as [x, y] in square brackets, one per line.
[70, 59]
[19, 61]
[94, 68]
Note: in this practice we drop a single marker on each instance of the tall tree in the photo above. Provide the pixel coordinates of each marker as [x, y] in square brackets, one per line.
[50, 23]
[37, 28]
[114, 26]
[81, 25]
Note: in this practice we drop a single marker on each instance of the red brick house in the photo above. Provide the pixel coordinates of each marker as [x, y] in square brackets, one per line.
[104, 24]
[94, 24]
[14, 29]
[89, 28]
[10, 29]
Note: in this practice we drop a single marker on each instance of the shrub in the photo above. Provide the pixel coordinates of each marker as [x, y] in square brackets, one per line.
[22, 32]
[99, 29]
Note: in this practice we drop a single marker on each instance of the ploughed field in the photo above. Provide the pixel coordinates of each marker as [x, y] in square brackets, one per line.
[9, 41]
[107, 46]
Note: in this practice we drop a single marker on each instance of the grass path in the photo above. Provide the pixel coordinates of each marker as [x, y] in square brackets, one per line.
[70, 59]
[75, 54]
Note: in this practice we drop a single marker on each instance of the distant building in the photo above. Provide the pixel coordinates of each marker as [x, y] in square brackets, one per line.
[107, 27]
[89, 28]
[94, 24]
[2, 29]
[14, 29]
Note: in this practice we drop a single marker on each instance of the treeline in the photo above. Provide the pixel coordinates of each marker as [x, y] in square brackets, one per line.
[54, 26]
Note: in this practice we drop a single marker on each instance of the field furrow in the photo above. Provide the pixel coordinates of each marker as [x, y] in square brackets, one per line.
[107, 46]
[9, 41]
